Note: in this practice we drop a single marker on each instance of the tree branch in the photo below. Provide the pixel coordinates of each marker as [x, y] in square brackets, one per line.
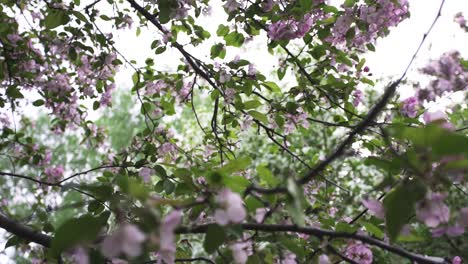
[24, 231]
[321, 233]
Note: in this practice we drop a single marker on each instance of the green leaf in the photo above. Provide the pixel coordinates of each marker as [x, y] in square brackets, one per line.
[38, 102]
[349, 3]
[218, 50]
[266, 176]
[272, 87]
[222, 30]
[234, 39]
[135, 78]
[293, 245]
[165, 9]
[76, 231]
[236, 165]
[13, 92]
[259, 116]
[294, 202]
[374, 230]
[13, 241]
[345, 227]
[137, 189]
[252, 104]
[160, 171]
[55, 18]
[96, 105]
[80, 16]
[168, 186]
[214, 238]
[103, 192]
[236, 183]
[399, 206]
[441, 141]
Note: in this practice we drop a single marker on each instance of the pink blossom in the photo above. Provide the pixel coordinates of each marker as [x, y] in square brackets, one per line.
[409, 107]
[118, 261]
[240, 252]
[246, 123]
[290, 29]
[127, 22]
[260, 214]
[289, 258]
[252, 70]
[167, 246]
[432, 210]
[463, 217]
[296, 119]
[185, 91]
[155, 87]
[224, 76]
[323, 259]
[267, 5]
[209, 150]
[379, 18]
[429, 117]
[47, 157]
[231, 5]
[36, 15]
[375, 207]
[460, 19]
[127, 239]
[457, 260]
[439, 118]
[14, 38]
[451, 231]
[145, 174]
[4, 120]
[231, 208]
[167, 148]
[359, 253]
[332, 211]
[79, 256]
[448, 75]
[229, 94]
[357, 97]
[54, 174]
[207, 11]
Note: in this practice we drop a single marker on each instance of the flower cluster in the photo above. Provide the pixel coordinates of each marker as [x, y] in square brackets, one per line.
[375, 18]
[448, 76]
[241, 251]
[231, 208]
[290, 29]
[409, 107]
[54, 174]
[167, 246]
[50, 69]
[439, 118]
[375, 207]
[359, 253]
[127, 239]
[461, 21]
[297, 119]
[432, 210]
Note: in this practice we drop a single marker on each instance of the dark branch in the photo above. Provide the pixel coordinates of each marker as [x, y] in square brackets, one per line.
[322, 233]
[24, 232]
